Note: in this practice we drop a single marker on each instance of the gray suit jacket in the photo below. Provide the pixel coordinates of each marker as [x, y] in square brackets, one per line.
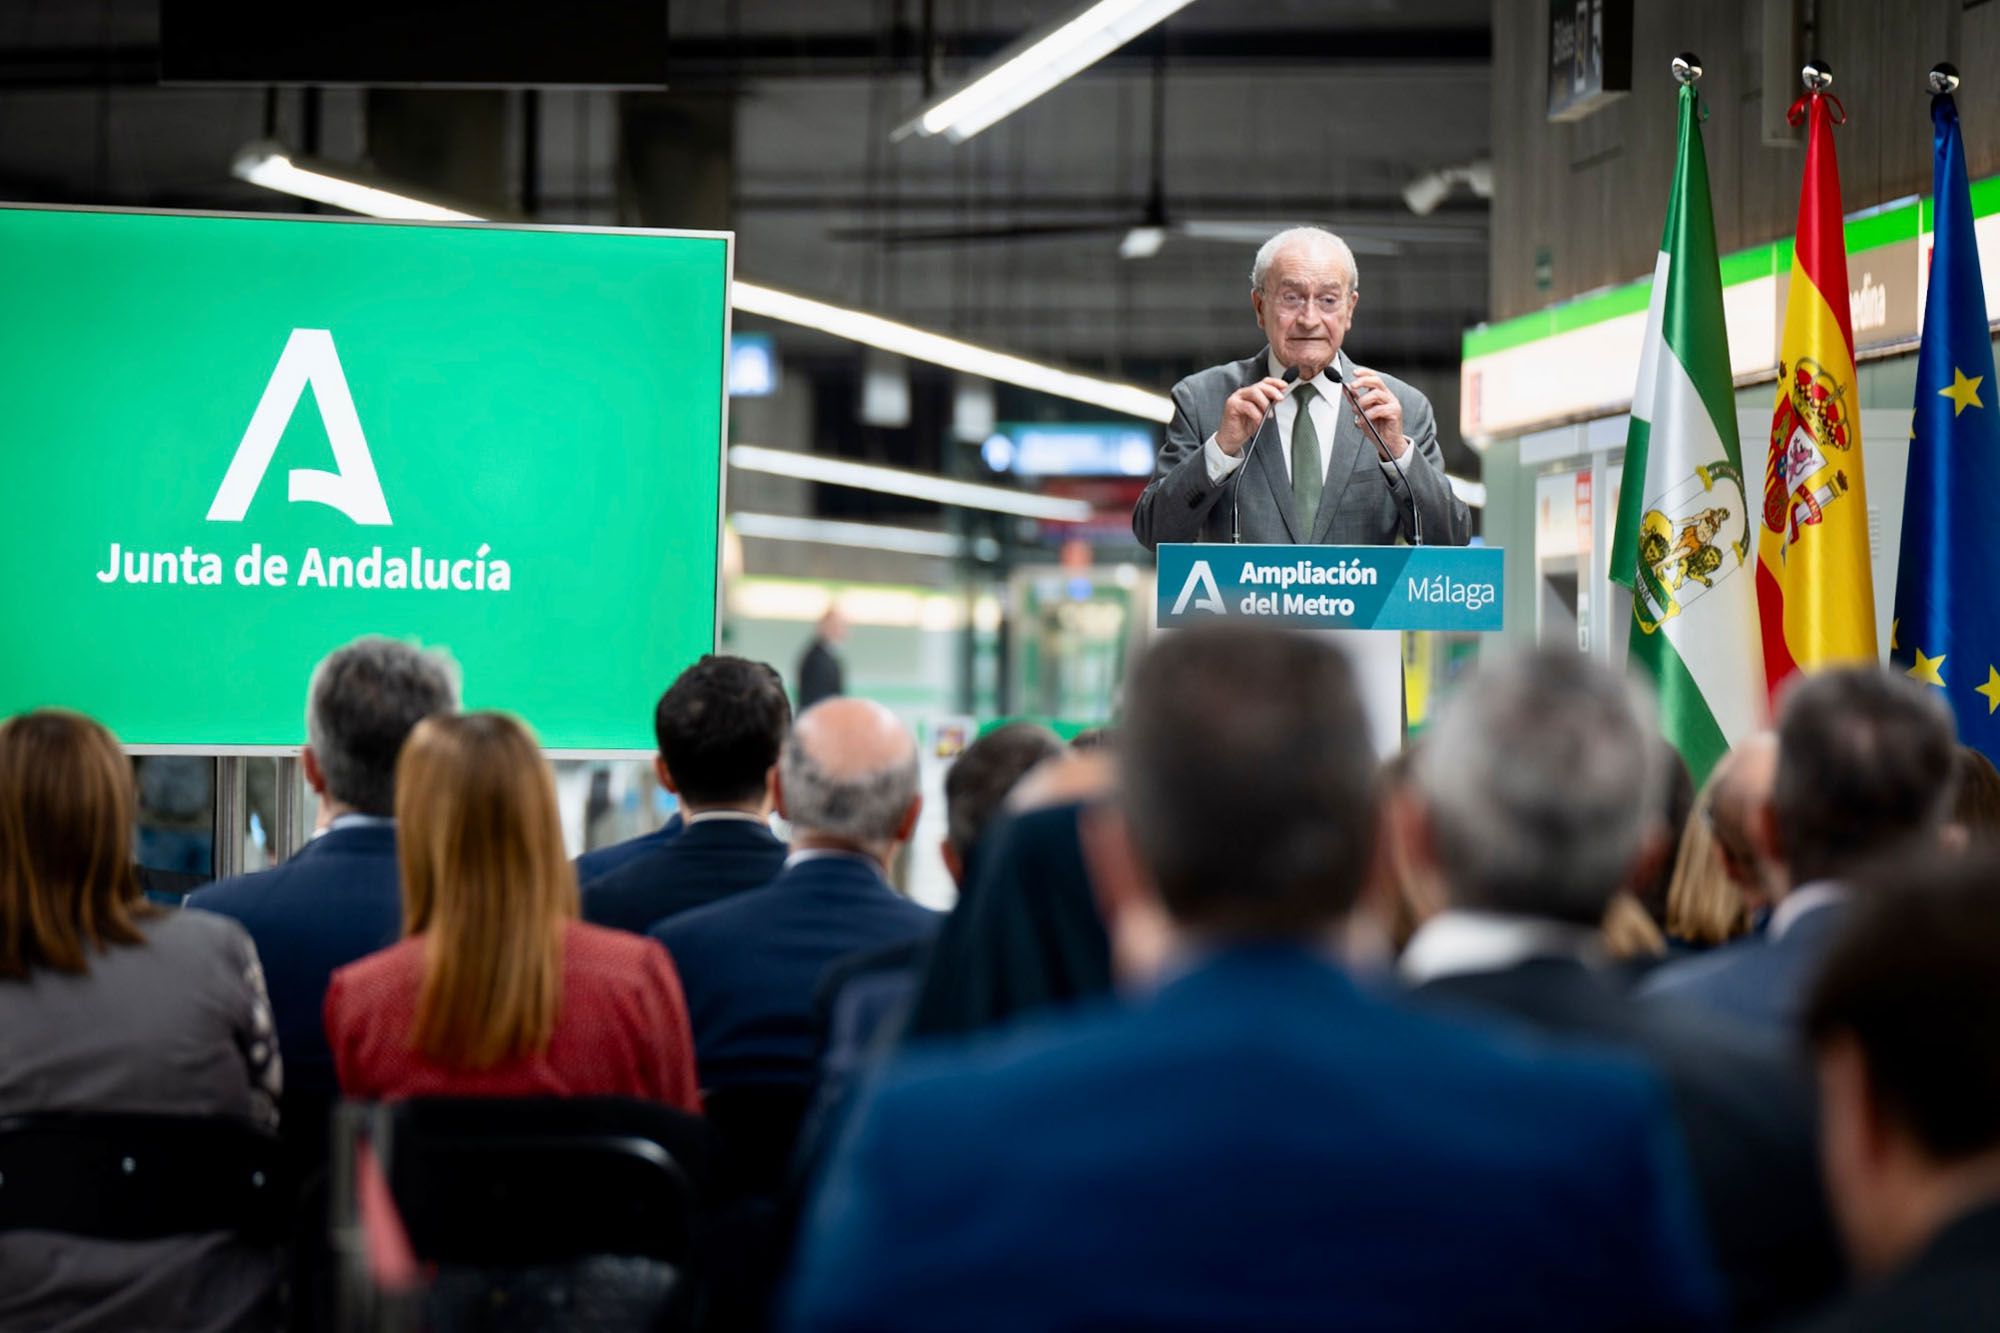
[1182, 505]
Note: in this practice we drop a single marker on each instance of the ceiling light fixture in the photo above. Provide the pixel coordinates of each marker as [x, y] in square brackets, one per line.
[867, 536]
[912, 485]
[1035, 64]
[267, 164]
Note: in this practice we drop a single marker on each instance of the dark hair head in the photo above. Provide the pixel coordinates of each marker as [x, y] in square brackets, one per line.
[1248, 779]
[67, 887]
[1676, 796]
[720, 727]
[1914, 981]
[1976, 808]
[362, 705]
[1865, 763]
[981, 777]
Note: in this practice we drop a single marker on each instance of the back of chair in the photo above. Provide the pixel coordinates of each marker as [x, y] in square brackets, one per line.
[496, 1181]
[757, 1127]
[126, 1176]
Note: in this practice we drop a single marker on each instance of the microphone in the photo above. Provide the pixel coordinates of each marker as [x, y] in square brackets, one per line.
[1382, 451]
[1290, 377]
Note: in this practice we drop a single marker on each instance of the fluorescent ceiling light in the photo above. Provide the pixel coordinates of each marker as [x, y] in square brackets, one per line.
[265, 164]
[915, 485]
[1035, 64]
[1472, 492]
[968, 358]
[1142, 242]
[268, 165]
[868, 536]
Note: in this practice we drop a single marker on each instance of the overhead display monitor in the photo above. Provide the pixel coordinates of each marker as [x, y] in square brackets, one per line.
[233, 444]
[1071, 449]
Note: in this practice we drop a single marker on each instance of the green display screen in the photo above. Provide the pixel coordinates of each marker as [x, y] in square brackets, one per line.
[229, 445]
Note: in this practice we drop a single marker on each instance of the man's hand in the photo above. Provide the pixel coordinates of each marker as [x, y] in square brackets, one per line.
[1381, 407]
[1244, 412]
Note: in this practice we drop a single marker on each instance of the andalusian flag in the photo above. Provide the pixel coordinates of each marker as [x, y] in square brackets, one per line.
[1815, 582]
[1683, 538]
[1945, 632]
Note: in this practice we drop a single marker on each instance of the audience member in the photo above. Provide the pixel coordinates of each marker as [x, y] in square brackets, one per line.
[861, 995]
[720, 726]
[496, 988]
[1400, 895]
[1905, 1020]
[1675, 792]
[847, 782]
[1976, 808]
[1530, 816]
[1705, 907]
[1026, 935]
[1742, 784]
[1865, 761]
[338, 898]
[1253, 1142]
[821, 675]
[110, 1004]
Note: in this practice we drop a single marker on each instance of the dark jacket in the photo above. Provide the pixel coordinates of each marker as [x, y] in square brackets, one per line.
[593, 866]
[820, 675]
[750, 965]
[708, 862]
[339, 898]
[1257, 1145]
[1743, 1104]
[1952, 1287]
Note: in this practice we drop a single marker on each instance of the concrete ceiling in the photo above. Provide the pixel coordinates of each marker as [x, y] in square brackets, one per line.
[1275, 111]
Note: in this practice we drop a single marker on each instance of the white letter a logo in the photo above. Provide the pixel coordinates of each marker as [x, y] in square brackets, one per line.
[308, 359]
[1211, 598]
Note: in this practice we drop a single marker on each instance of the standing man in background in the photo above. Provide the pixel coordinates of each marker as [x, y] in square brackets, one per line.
[820, 674]
[1311, 482]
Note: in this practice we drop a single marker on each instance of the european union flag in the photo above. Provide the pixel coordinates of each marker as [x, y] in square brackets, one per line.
[1947, 632]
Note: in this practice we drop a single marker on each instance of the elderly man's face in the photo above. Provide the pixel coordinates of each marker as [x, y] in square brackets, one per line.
[1306, 305]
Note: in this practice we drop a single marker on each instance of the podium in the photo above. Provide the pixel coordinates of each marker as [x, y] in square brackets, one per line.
[1360, 597]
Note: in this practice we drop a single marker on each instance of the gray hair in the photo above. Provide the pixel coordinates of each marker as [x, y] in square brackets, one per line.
[363, 702]
[1541, 781]
[862, 807]
[1260, 268]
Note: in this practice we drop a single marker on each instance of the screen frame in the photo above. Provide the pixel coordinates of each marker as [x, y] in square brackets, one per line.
[728, 238]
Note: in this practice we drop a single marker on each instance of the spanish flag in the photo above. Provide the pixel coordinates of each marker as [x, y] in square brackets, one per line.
[1815, 585]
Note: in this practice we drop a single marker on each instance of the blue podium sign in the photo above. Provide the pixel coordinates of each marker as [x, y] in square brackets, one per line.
[1454, 588]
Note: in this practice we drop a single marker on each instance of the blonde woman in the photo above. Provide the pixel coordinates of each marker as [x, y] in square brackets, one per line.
[1704, 905]
[496, 988]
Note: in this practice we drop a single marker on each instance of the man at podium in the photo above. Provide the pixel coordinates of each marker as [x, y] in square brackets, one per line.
[1274, 450]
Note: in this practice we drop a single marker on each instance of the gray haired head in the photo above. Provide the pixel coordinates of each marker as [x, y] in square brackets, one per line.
[849, 772]
[1260, 268]
[364, 701]
[1541, 783]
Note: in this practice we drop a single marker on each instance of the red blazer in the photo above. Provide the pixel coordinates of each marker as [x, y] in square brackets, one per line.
[621, 1029]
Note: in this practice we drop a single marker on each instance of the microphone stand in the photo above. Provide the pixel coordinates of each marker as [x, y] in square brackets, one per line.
[1291, 376]
[1383, 451]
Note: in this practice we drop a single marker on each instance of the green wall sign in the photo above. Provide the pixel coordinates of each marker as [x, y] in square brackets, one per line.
[229, 445]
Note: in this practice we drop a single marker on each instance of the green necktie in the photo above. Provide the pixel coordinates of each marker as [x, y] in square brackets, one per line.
[1308, 477]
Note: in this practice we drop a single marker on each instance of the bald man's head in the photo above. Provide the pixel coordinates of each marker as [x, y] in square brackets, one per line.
[849, 772]
[1742, 788]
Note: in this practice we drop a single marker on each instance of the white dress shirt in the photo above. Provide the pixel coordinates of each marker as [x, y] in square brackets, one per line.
[1456, 942]
[1327, 404]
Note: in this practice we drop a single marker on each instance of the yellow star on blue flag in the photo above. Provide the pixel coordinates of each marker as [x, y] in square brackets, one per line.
[1950, 563]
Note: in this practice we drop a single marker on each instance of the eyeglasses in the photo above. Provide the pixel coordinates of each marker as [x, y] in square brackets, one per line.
[1329, 303]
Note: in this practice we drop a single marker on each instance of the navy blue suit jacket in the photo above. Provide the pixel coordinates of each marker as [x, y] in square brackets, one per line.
[595, 865]
[1258, 1145]
[710, 860]
[338, 899]
[750, 965]
[1758, 981]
